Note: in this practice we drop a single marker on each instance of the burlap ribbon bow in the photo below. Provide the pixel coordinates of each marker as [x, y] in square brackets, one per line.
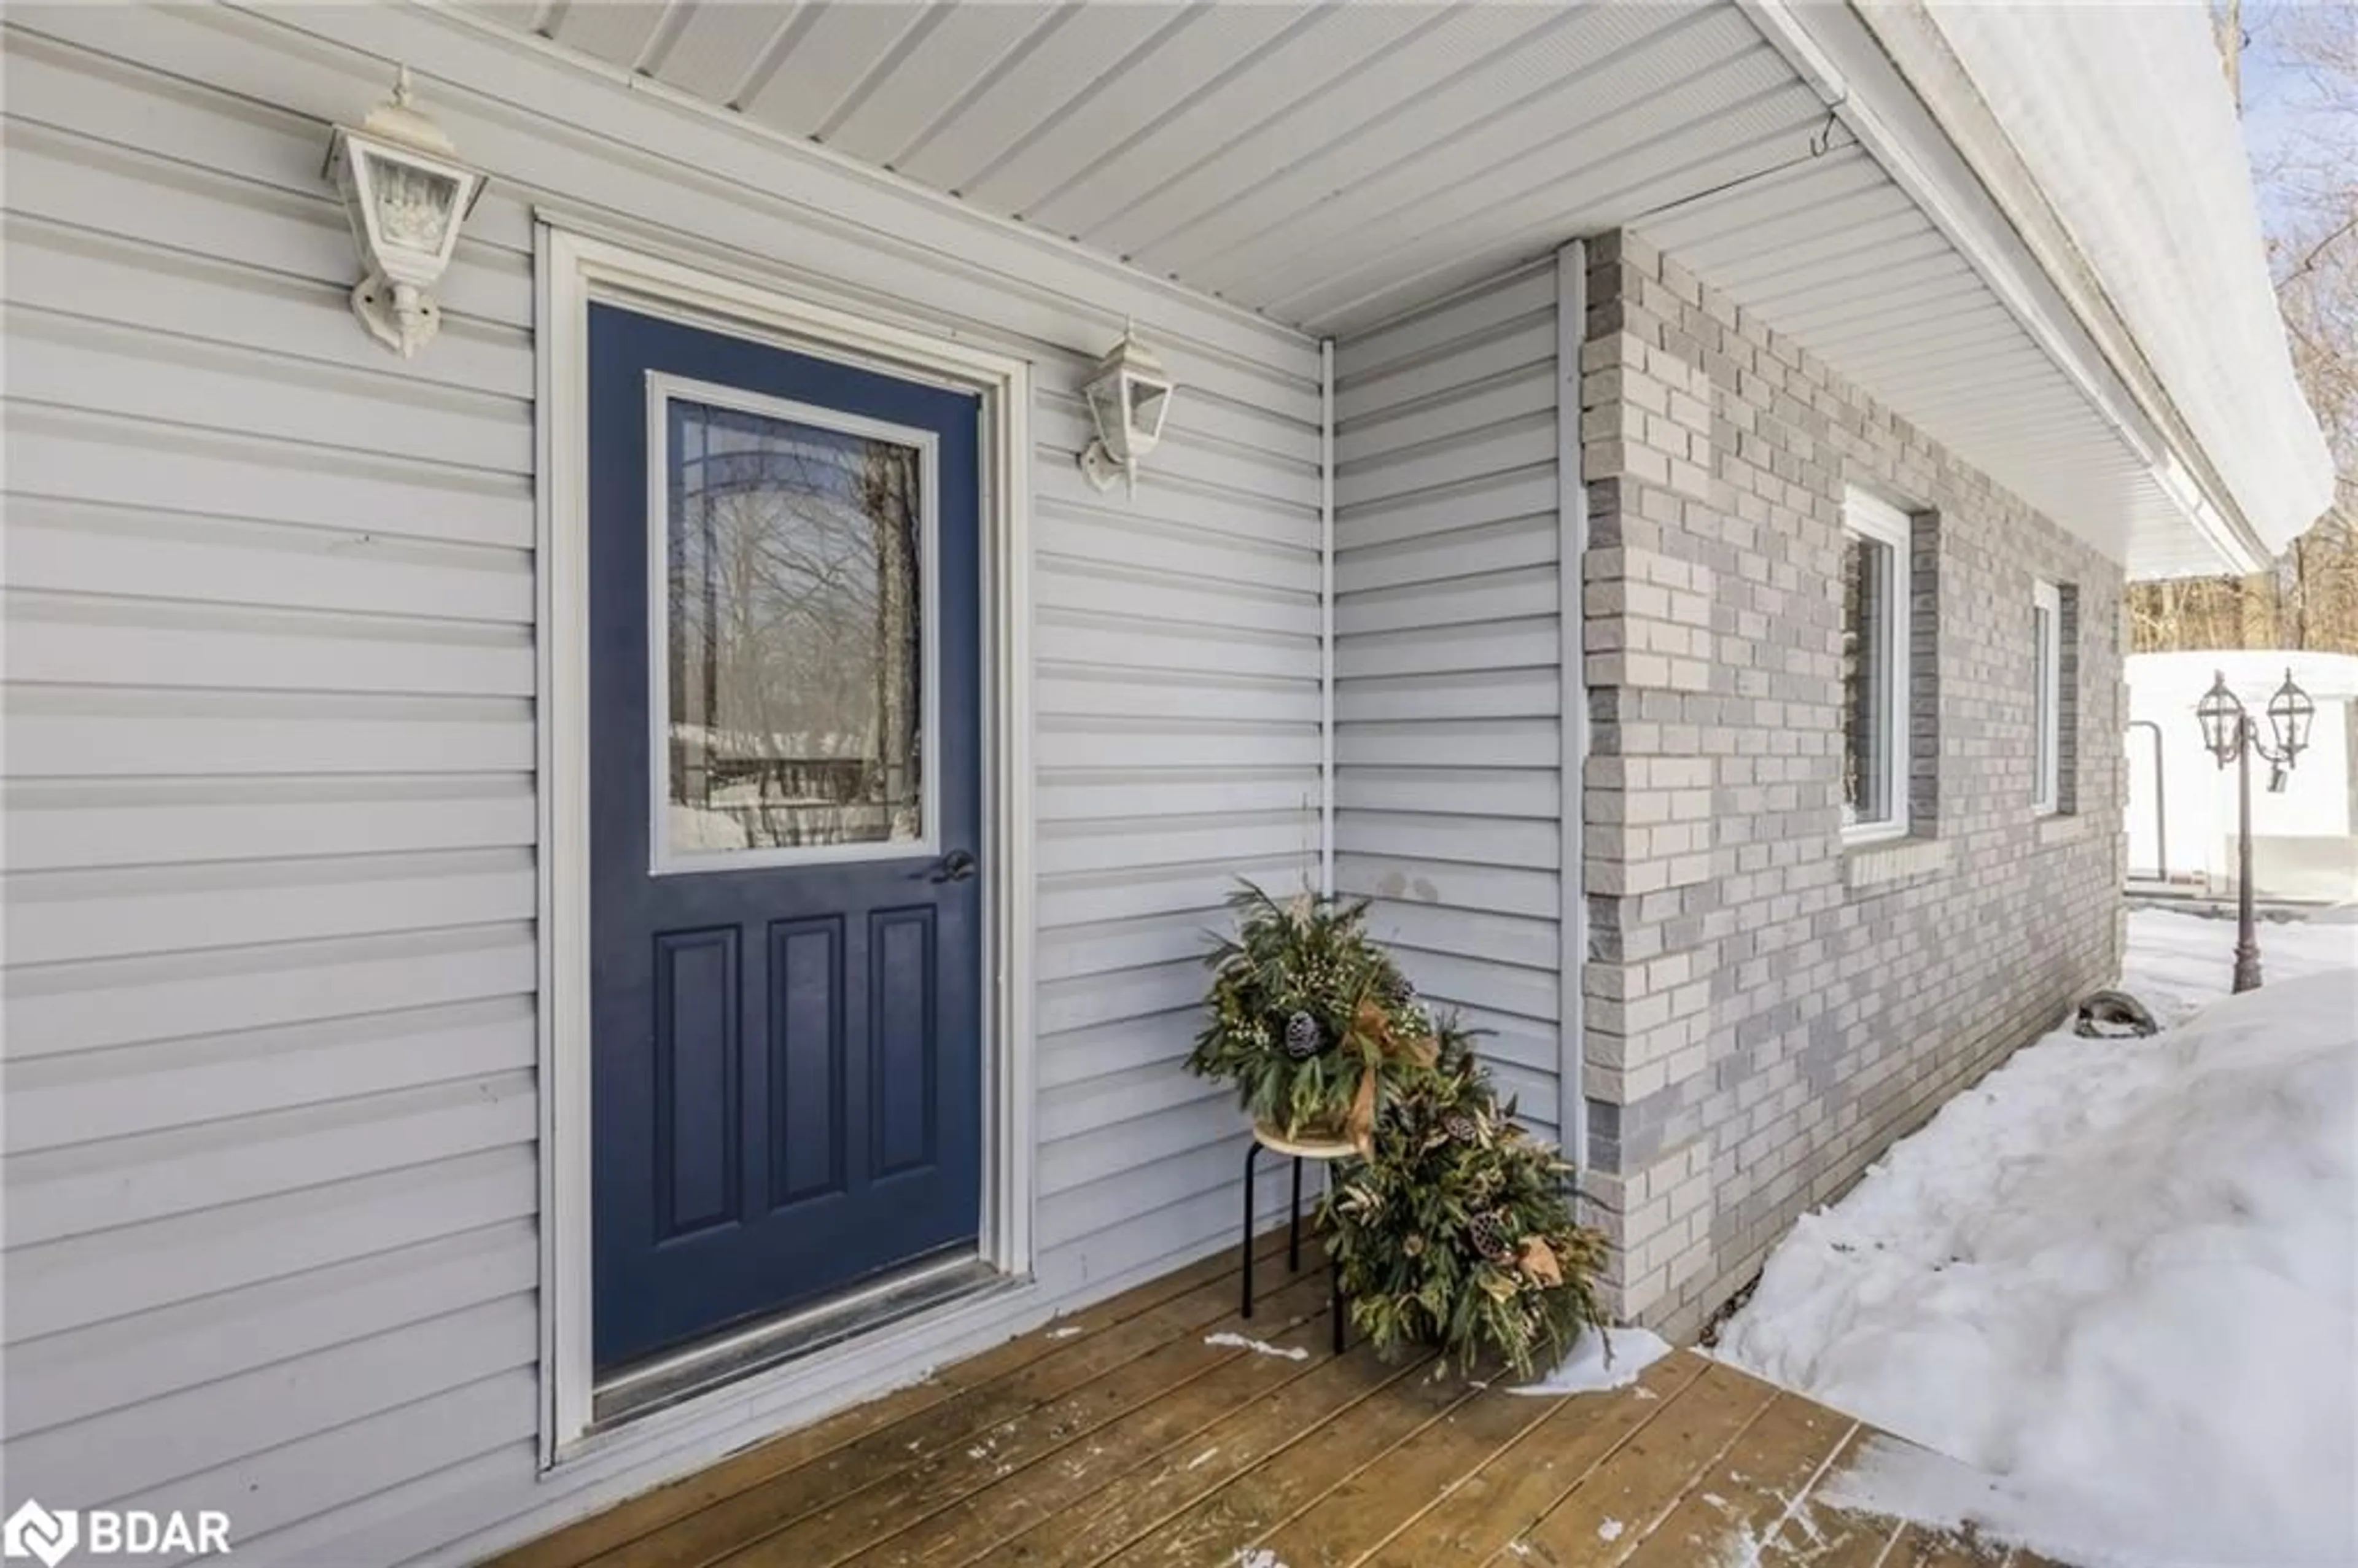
[1373, 1037]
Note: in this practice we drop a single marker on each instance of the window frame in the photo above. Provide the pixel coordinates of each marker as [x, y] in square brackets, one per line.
[1880, 521]
[663, 390]
[2047, 697]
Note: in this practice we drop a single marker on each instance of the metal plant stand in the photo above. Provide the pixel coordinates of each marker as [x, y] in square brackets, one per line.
[1323, 1151]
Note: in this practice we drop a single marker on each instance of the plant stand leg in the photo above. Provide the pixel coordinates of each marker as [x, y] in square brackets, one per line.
[1294, 1224]
[1335, 1306]
[1252, 1154]
[1335, 1272]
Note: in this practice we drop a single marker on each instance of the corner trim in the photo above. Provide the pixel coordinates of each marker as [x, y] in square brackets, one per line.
[1572, 706]
[1326, 616]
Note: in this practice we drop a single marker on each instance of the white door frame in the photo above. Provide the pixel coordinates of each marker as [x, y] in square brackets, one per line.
[572, 269]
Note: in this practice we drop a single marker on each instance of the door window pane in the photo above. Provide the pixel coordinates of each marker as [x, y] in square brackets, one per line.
[793, 665]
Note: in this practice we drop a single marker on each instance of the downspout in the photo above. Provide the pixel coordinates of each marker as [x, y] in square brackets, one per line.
[1572, 706]
[1326, 615]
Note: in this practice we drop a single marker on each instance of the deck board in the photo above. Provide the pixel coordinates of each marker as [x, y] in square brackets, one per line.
[1386, 1495]
[1750, 1489]
[1123, 1438]
[1239, 1513]
[1602, 1519]
[871, 1515]
[1157, 1493]
[1816, 1536]
[1514, 1492]
[1088, 1462]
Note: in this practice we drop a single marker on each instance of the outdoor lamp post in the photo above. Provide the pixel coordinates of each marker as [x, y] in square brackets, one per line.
[2233, 736]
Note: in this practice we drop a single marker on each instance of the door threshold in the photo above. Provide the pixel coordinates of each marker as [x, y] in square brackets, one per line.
[674, 1377]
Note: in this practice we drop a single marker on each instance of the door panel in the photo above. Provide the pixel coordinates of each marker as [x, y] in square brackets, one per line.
[695, 1052]
[902, 1036]
[785, 796]
[806, 1058]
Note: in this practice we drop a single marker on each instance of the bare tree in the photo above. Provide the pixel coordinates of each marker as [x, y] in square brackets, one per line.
[2308, 186]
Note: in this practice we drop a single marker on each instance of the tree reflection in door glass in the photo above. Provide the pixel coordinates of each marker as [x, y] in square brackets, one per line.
[794, 660]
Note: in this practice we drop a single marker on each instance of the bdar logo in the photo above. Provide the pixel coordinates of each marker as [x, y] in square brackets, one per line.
[34, 1531]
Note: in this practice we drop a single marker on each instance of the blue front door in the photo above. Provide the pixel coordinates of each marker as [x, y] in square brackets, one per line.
[785, 804]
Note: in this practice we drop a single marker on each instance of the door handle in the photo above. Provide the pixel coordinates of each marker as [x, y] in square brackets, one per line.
[954, 866]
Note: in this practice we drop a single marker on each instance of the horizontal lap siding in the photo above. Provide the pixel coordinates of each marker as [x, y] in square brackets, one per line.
[271, 1090]
[1449, 662]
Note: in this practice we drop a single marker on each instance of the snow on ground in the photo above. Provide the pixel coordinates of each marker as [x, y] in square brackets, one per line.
[2120, 1277]
[1596, 1363]
[2180, 962]
[1258, 1346]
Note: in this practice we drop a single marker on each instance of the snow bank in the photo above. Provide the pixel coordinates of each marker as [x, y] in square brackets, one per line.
[2120, 1277]
[2179, 963]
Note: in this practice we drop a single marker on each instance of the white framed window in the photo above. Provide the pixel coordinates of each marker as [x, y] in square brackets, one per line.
[1876, 668]
[791, 638]
[2047, 665]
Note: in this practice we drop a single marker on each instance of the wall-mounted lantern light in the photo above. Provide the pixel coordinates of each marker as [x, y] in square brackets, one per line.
[1128, 398]
[406, 193]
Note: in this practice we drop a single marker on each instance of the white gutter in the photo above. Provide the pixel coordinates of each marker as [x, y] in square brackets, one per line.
[1877, 107]
[1326, 615]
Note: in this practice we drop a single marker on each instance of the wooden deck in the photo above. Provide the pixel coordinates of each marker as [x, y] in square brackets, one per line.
[1124, 1437]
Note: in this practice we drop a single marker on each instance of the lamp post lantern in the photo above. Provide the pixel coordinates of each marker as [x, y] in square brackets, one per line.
[2232, 735]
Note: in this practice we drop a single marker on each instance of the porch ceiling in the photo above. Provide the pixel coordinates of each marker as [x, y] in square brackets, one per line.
[1327, 166]
[1333, 166]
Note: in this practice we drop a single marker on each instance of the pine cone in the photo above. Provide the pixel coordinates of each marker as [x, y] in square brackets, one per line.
[1461, 1127]
[1303, 1038]
[1490, 1237]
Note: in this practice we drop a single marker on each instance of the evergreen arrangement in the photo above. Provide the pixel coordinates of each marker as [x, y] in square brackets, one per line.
[1458, 1231]
[1454, 1226]
[1307, 1016]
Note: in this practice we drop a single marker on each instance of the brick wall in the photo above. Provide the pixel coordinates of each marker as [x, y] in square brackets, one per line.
[1766, 1012]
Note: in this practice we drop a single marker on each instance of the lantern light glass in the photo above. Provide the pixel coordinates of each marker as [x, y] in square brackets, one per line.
[406, 196]
[1128, 398]
[2222, 717]
[2290, 715]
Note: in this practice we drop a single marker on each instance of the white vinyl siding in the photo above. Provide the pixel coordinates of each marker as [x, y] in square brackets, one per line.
[1449, 794]
[270, 1097]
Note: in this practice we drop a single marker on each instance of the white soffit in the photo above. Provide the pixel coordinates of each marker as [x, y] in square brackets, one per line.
[1327, 165]
[1332, 167]
[1836, 256]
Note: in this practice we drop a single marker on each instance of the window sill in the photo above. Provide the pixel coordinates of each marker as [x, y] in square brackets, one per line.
[2062, 829]
[1887, 861]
